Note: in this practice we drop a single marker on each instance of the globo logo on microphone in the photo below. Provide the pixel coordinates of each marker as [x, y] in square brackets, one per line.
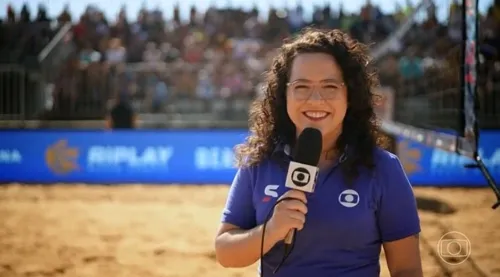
[301, 177]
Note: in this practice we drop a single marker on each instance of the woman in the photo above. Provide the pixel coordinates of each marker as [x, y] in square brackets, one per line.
[362, 199]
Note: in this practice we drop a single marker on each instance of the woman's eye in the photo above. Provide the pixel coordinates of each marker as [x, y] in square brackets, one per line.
[301, 87]
[331, 87]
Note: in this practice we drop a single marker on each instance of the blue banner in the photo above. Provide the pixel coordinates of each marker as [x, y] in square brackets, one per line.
[193, 157]
[190, 157]
[428, 166]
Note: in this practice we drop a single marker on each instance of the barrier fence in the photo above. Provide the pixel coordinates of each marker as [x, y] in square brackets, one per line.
[182, 93]
[88, 92]
[21, 94]
[189, 156]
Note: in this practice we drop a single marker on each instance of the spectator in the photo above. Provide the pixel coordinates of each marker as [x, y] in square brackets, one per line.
[93, 90]
[11, 14]
[65, 16]
[25, 14]
[80, 31]
[296, 19]
[389, 72]
[42, 14]
[410, 65]
[87, 54]
[66, 89]
[121, 115]
[455, 21]
[115, 54]
[205, 88]
[152, 54]
[121, 28]
[159, 92]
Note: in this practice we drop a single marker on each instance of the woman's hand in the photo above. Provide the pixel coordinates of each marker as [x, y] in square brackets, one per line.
[288, 214]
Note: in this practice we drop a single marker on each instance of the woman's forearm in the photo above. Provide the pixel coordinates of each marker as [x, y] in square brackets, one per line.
[241, 248]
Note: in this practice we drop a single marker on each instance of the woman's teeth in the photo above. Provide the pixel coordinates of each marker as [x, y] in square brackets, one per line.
[316, 115]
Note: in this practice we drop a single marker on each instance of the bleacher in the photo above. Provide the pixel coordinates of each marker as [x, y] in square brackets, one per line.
[208, 69]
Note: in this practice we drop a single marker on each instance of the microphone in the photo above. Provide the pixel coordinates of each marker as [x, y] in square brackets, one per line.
[303, 171]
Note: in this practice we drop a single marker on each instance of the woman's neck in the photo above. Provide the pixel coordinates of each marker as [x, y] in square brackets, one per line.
[327, 158]
[329, 152]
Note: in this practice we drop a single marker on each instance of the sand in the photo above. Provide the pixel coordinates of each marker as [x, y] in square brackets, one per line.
[153, 231]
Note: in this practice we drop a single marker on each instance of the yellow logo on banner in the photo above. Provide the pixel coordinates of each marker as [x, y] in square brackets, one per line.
[410, 157]
[61, 158]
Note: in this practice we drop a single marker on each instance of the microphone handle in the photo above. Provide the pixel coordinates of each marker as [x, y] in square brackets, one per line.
[289, 237]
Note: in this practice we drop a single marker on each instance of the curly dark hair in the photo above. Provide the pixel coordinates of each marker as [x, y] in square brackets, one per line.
[269, 120]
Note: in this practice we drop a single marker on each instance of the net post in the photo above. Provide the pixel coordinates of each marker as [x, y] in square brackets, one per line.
[468, 141]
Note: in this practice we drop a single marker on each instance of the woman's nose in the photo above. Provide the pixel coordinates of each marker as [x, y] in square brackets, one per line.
[315, 95]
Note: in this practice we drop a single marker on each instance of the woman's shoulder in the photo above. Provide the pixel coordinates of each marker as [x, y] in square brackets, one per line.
[391, 182]
[387, 164]
[383, 157]
[266, 164]
[259, 172]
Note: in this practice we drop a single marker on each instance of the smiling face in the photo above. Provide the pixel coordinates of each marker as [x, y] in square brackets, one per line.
[317, 95]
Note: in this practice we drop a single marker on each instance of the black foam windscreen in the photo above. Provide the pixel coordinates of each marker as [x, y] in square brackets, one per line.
[307, 149]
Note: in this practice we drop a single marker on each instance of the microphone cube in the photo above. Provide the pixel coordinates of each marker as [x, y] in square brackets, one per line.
[301, 177]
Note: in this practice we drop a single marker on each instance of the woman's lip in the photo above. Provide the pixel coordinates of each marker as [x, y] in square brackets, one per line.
[316, 118]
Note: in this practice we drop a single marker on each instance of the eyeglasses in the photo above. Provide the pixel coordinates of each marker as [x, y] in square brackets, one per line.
[327, 90]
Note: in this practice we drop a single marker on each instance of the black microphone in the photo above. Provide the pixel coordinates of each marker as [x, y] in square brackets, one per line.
[303, 171]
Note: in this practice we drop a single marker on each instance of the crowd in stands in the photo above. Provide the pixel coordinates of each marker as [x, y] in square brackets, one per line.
[22, 36]
[425, 68]
[154, 62]
[151, 60]
[221, 53]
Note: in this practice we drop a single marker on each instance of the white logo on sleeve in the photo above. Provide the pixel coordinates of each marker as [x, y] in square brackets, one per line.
[270, 190]
[349, 198]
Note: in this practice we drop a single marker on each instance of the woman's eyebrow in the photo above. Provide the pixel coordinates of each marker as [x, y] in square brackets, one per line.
[328, 80]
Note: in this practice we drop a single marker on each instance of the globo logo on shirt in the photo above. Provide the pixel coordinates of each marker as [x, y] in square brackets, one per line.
[349, 198]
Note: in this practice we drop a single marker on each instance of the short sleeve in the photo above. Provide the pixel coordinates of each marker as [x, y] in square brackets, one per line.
[397, 211]
[239, 209]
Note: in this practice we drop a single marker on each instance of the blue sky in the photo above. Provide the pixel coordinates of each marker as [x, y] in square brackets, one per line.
[111, 7]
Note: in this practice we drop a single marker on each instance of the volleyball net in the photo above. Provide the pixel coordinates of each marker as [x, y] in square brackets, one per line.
[429, 71]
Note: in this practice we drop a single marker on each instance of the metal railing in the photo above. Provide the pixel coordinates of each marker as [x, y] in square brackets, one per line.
[164, 101]
[25, 90]
[21, 95]
[88, 93]
[52, 46]
[395, 38]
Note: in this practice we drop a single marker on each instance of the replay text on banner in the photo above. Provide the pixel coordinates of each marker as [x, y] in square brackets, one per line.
[189, 157]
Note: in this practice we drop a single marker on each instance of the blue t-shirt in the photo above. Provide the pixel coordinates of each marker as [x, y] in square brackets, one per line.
[345, 226]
